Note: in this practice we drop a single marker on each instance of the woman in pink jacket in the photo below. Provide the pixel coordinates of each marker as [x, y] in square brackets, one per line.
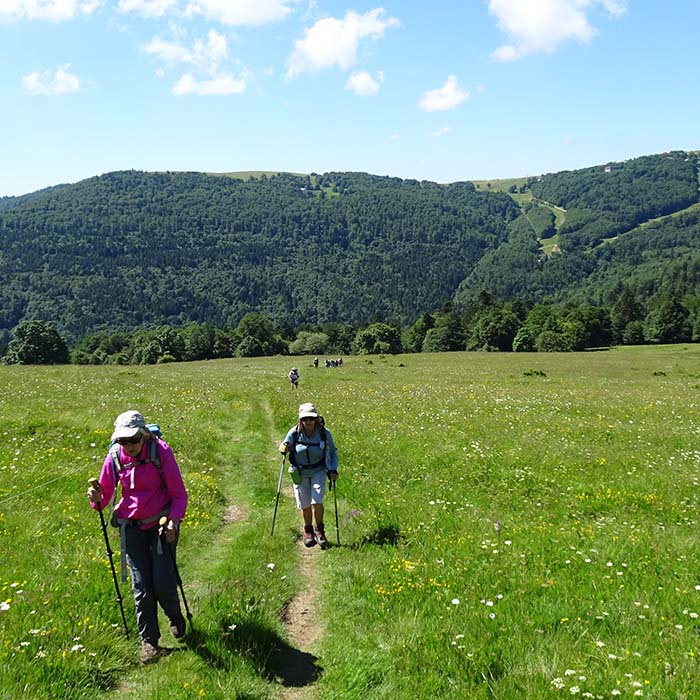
[151, 488]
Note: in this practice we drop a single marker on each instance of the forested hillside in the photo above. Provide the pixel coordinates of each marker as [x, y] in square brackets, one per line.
[635, 223]
[131, 250]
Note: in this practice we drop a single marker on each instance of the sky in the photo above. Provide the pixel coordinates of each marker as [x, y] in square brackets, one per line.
[445, 91]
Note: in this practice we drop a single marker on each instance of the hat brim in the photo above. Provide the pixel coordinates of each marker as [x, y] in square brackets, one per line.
[308, 414]
[125, 433]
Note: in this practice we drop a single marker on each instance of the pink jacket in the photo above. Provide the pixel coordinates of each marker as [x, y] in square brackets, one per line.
[144, 492]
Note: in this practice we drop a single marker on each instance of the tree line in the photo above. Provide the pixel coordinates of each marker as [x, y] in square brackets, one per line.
[484, 325]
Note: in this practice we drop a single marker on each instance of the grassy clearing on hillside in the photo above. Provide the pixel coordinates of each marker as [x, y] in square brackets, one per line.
[650, 222]
[513, 526]
[499, 185]
[550, 245]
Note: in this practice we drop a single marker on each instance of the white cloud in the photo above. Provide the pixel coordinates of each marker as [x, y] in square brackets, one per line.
[89, 6]
[364, 84]
[60, 82]
[168, 51]
[443, 131]
[146, 8]
[223, 84]
[240, 12]
[52, 10]
[540, 26]
[205, 55]
[332, 41]
[448, 96]
[616, 8]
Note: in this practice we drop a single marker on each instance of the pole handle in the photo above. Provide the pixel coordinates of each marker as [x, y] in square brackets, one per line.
[96, 485]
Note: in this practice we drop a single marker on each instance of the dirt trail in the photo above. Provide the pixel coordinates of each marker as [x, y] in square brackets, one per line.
[297, 665]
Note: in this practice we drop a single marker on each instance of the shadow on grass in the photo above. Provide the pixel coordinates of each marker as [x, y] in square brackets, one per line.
[258, 645]
[383, 536]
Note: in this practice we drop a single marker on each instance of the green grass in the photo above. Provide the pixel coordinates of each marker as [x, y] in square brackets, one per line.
[499, 185]
[253, 174]
[513, 526]
[559, 213]
[550, 245]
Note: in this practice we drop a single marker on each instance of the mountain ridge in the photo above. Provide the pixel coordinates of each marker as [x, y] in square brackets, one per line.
[131, 249]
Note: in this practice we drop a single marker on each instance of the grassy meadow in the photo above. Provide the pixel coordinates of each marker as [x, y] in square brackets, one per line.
[512, 526]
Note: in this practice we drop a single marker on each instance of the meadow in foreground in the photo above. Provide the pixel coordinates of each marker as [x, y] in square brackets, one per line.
[512, 526]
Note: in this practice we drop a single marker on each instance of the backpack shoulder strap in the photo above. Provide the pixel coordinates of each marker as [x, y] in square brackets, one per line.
[154, 457]
[153, 454]
[293, 451]
[116, 468]
[116, 462]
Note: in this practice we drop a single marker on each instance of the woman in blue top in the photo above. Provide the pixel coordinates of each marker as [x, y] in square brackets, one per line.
[313, 455]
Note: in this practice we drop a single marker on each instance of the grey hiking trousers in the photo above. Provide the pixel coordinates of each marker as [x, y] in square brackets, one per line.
[153, 580]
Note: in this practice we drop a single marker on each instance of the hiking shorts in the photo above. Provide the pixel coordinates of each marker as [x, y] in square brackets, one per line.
[311, 489]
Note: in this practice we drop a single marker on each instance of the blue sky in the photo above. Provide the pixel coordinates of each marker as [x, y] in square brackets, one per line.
[447, 90]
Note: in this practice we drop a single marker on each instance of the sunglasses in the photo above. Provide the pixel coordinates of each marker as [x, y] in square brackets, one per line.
[130, 441]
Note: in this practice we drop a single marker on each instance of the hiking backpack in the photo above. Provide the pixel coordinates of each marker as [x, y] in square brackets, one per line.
[153, 457]
[295, 440]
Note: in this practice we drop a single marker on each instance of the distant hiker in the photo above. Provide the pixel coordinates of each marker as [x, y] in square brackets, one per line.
[152, 487]
[315, 361]
[314, 457]
[294, 377]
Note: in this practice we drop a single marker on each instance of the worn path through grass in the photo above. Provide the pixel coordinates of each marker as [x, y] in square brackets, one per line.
[227, 631]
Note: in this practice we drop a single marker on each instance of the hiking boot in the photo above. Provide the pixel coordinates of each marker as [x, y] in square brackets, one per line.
[149, 652]
[321, 536]
[309, 539]
[178, 627]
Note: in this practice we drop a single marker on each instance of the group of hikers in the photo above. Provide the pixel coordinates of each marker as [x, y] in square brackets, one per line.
[153, 503]
[293, 374]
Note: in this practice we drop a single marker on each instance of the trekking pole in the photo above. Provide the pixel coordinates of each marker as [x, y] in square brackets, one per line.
[334, 488]
[95, 484]
[279, 488]
[162, 522]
